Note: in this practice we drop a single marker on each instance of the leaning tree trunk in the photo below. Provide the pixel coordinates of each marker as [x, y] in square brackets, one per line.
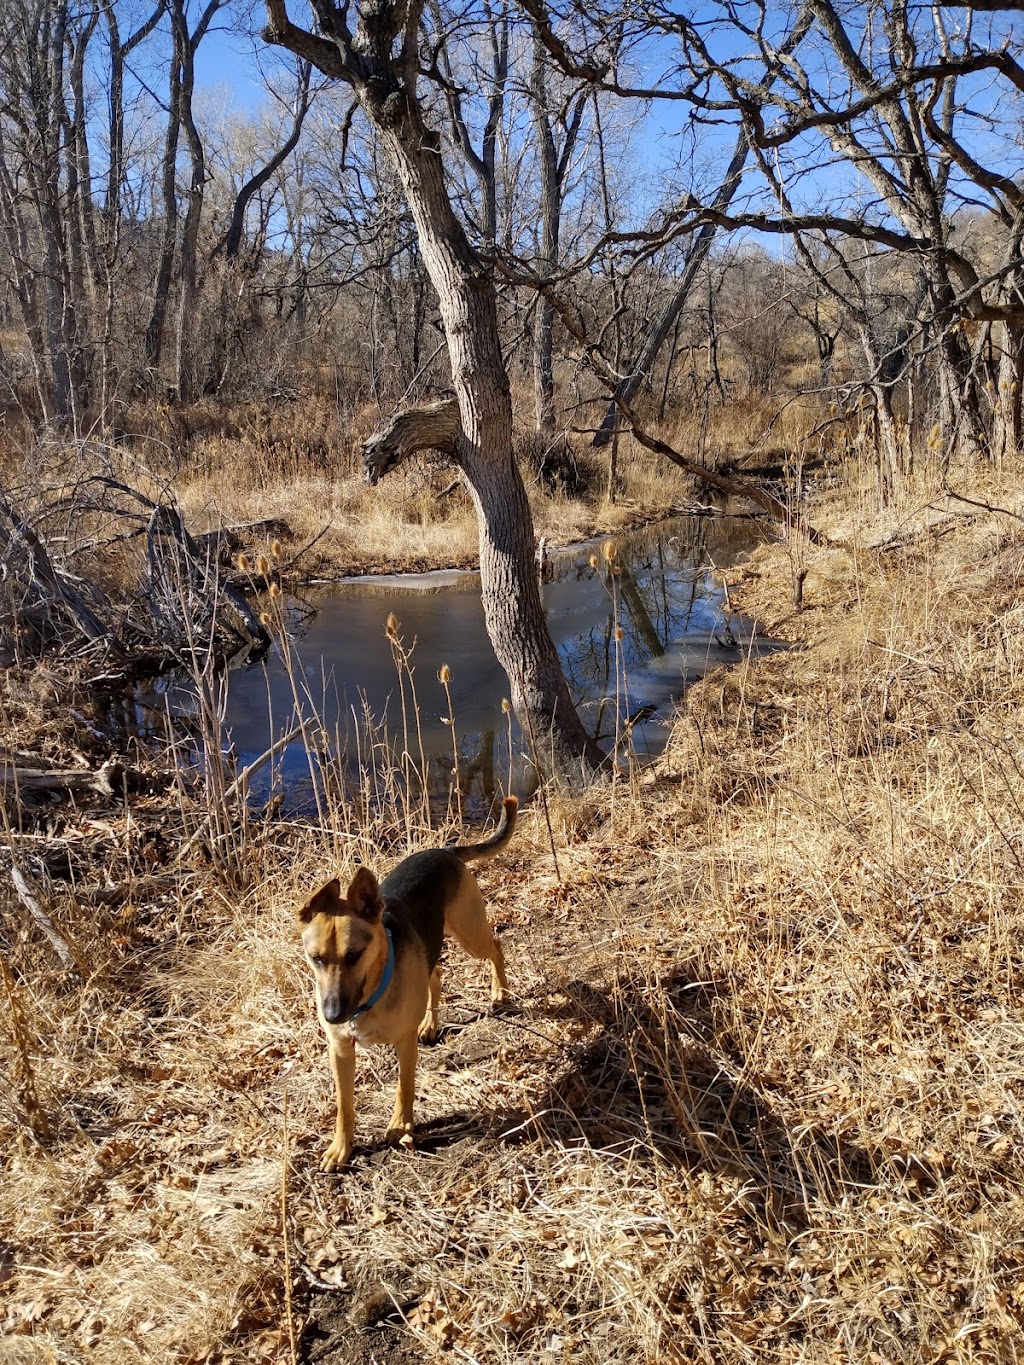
[483, 449]
[511, 595]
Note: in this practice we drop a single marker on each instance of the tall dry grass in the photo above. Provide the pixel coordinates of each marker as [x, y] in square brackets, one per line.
[760, 1098]
[299, 463]
[420, 516]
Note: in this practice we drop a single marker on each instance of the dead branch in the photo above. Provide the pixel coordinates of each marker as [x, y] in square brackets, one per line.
[238, 786]
[17, 779]
[224, 541]
[30, 900]
[736, 488]
[433, 426]
[117, 893]
[982, 506]
[41, 588]
[187, 593]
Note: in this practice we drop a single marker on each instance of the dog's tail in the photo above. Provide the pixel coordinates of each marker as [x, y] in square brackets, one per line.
[498, 839]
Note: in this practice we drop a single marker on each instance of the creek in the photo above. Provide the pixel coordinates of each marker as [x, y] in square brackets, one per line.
[635, 617]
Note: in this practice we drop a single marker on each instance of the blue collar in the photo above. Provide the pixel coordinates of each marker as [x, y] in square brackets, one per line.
[385, 980]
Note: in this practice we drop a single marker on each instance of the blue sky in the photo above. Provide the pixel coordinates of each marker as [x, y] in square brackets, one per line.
[229, 61]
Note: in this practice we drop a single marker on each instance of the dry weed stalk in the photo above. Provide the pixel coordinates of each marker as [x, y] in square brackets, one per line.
[444, 676]
[34, 1110]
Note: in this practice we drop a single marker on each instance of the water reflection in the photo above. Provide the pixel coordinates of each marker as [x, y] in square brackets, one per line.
[634, 619]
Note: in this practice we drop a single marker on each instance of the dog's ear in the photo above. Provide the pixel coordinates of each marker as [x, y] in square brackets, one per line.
[323, 903]
[364, 895]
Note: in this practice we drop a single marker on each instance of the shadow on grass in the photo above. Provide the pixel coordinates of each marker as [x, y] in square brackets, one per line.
[657, 1079]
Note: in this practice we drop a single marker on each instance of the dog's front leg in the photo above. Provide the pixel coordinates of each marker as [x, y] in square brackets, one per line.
[401, 1120]
[343, 1069]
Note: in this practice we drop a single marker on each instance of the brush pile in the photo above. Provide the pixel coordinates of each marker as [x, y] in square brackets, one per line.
[184, 603]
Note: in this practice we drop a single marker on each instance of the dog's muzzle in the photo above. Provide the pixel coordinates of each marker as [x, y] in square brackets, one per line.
[337, 1008]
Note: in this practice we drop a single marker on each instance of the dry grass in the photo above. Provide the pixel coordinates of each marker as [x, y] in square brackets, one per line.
[762, 1095]
[418, 518]
[299, 462]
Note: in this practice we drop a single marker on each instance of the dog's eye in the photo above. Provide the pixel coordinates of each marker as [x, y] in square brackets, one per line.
[352, 956]
[316, 959]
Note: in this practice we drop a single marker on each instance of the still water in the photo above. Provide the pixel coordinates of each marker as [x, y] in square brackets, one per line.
[635, 619]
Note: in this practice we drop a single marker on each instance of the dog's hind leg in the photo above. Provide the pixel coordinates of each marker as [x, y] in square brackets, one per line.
[466, 919]
[428, 1028]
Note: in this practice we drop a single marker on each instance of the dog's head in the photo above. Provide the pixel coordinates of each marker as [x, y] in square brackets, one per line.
[345, 943]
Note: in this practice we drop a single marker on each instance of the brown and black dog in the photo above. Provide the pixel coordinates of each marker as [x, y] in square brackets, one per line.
[374, 954]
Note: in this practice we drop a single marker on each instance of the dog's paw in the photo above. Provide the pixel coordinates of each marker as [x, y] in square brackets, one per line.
[401, 1133]
[336, 1156]
[428, 1032]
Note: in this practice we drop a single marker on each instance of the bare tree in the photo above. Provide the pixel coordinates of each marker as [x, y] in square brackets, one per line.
[183, 247]
[266, 172]
[42, 194]
[379, 60]
[113, 213]
[557, 116]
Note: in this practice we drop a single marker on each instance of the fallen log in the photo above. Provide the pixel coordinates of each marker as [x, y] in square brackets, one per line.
[138, 890]
[225, 541]
[103, 781]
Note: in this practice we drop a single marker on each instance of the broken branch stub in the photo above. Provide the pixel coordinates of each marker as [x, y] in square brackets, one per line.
[432, 426]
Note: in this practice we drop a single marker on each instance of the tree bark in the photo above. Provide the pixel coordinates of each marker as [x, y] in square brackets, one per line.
[154, 341]
[547, 261]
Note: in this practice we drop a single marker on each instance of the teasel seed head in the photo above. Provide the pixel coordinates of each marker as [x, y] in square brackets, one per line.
[275, 549]
[506, 706]
[263, 565]
[275, 590]
[444, 674]
[243, 562]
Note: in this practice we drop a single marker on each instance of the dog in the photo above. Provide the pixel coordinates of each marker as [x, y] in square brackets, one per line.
[374, 954]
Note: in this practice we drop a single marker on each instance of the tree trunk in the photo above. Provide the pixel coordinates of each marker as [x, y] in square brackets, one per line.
[185, 350]
[165, 263]
[1007, 433]
[511, 596]
[547, 260]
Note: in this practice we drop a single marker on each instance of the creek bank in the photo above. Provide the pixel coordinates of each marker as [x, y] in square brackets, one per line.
[323, 568]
